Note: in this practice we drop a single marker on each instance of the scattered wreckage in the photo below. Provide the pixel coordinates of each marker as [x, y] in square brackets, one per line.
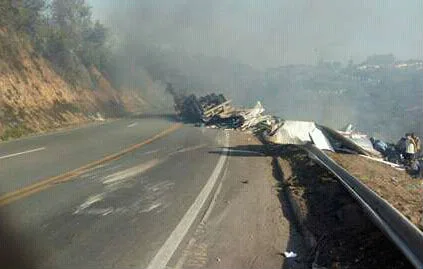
[215, 111]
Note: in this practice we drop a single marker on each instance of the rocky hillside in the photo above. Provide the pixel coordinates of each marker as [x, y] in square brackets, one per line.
[34, 98]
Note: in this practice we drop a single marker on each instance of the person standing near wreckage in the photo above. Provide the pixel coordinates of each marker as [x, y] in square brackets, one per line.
[417, 144]
[410, 148]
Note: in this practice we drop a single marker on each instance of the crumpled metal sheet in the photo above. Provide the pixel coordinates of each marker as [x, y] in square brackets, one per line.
[362, 140]
[292, 132]
[299, 133]
[320, 140]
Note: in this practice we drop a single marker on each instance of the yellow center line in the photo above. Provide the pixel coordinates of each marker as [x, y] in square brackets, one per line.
[49, 182]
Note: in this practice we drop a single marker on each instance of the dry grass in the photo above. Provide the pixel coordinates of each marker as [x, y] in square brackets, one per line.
[34, 98]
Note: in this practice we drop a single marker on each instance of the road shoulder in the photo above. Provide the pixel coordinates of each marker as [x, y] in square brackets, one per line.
[245, 226]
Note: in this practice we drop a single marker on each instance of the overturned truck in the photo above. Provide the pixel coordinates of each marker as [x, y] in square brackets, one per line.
[215, 111]
[193, 109]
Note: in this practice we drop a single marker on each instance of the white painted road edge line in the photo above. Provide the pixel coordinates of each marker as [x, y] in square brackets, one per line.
[21, 153]
[213, 201]
[166, 252]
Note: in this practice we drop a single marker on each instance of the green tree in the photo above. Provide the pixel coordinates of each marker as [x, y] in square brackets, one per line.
[95, 51]
[23, 15]
[73, 18]
[61, 30]
[29, 18]
[80, 34]
[7, 11]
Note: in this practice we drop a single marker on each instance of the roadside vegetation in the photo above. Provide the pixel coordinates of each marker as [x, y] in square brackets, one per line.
[64, 32]
[58, 68]
[14, 132]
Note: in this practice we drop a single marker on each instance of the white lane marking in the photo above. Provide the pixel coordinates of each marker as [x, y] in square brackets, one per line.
[192, 241]
[132, 124]
[21, 153]
[213, 202]
[133, 171]
[169, 247]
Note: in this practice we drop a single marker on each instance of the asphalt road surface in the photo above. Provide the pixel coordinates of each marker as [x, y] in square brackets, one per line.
[122, 194]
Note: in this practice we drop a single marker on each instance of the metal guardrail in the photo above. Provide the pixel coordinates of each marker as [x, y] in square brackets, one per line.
[398, 228]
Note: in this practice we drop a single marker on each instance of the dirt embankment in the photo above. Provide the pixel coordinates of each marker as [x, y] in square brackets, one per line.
[345, 238]
[397, 187]
[34, 98]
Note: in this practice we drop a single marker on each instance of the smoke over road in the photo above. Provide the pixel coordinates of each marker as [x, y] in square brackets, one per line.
[272, 33]
[239, 47]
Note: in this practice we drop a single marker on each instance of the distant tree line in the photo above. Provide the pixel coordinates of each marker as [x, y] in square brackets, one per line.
[63, 31]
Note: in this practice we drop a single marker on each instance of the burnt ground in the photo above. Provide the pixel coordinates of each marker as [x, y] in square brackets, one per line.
[344, 235]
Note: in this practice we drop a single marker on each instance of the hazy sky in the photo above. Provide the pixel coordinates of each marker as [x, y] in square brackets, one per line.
[268, 33]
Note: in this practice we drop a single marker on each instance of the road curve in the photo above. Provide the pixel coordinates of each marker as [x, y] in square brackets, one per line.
[116, 213]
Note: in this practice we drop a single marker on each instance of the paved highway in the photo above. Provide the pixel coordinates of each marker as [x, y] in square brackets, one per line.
[121, 194]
